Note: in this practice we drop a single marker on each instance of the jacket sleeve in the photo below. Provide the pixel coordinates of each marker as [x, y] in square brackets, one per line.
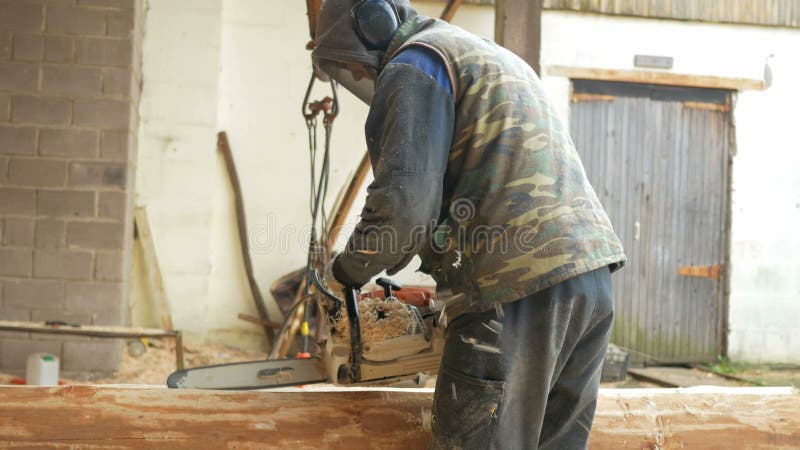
[409, 132]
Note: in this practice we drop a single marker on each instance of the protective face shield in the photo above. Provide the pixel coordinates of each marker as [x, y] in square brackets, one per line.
[356, 78]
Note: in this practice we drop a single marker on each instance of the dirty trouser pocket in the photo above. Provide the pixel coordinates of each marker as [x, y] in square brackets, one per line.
[464, 411]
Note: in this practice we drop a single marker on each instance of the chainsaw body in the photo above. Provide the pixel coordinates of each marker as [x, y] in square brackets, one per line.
[346, 358]
[355, 358]
[393, 358]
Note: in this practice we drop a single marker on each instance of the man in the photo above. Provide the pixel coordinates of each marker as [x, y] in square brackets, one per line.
[475, 173]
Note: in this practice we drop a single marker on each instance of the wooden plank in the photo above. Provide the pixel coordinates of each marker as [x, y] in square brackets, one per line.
[155, 281]
[708, 106]
[578, 97]
[655, 77]
[85, 330]
[98, 417]
[257, 321]
[679, 377]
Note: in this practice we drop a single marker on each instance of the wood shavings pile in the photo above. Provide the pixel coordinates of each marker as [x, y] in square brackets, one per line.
[155, 365]
[380, 320]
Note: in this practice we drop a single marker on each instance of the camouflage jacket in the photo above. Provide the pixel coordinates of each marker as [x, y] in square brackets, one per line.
[516, 213]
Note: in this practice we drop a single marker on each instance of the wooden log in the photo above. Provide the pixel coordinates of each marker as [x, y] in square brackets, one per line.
[106, 417]
[97, 417]
[705, 417]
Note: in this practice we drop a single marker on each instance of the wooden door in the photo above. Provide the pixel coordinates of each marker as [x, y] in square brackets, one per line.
[659, 157]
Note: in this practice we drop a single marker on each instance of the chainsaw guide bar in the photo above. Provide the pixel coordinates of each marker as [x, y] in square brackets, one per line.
[250, 375]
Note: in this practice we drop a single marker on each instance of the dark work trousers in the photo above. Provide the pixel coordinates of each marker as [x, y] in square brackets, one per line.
[526, 377]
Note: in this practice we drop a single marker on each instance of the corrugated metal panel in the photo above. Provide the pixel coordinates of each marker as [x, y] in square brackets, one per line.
[658, 159]
[782, 13]
[779, 13]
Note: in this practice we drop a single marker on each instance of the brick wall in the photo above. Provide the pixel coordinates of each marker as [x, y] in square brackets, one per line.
[69, 93]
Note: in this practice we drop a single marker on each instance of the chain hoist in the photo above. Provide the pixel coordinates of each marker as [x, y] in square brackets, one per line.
[318, 248]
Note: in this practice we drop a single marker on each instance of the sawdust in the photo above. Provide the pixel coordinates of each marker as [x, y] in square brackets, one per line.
[380, 320]
[158, 361]
[155, 365]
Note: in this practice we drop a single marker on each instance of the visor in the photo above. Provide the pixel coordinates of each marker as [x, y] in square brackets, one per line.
[360, 85]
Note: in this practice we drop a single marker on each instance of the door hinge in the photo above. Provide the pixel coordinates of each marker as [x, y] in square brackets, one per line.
[712, 272]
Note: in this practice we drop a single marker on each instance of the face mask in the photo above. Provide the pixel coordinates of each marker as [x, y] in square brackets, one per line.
[354, 77]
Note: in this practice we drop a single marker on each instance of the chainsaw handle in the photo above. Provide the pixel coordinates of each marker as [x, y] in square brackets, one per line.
[313, 274]
[351, 306]
[351, 303]
[388, 286]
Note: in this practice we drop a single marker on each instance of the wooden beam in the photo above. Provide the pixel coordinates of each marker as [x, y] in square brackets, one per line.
[518, 27]
[703, 417]
[98, 331]
[86, 330]
[656, 77]
[256, 321]
[101, 417]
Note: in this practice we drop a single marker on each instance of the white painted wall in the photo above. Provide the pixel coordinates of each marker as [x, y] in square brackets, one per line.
[176, 158]
[239, 65]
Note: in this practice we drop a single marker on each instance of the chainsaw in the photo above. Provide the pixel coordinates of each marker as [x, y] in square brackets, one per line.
[349, 356]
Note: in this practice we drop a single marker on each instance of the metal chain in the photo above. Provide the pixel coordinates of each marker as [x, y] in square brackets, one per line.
[318, 240]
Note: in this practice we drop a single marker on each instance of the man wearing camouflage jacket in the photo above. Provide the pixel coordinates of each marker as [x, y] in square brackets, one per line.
[476, 174]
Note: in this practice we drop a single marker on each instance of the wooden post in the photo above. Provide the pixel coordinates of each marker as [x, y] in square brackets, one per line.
[179, 350]
[518, 27]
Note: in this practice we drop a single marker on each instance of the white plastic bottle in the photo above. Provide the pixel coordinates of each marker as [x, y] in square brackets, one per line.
[42, 370]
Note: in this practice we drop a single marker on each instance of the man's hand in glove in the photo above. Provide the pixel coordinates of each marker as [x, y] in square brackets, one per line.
[331, 283]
